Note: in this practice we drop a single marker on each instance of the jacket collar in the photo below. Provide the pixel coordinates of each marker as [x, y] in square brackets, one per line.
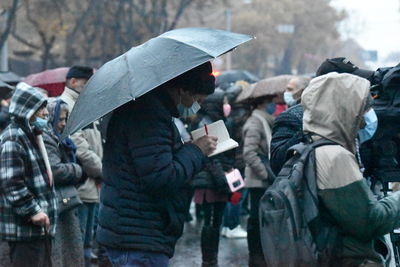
[167, 101]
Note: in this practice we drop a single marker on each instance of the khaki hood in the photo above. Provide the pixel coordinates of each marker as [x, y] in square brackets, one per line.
[334, 105]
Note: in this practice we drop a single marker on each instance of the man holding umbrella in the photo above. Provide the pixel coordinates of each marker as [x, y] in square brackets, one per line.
[147, 170]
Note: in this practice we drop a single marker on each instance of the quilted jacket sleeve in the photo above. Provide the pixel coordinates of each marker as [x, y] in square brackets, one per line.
[160, 167]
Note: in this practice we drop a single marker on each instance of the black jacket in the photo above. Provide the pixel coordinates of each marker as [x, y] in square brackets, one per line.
[146, 171]
[286, 132]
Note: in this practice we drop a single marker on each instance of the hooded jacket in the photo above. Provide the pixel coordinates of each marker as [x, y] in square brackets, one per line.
[24, 183]
[334, 105]
[89, 151]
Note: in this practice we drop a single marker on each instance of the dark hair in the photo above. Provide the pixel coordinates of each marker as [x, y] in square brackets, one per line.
[255, 102]
[198, 80]
[79, 72]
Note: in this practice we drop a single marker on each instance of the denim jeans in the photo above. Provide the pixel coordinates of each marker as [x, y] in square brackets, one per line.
[135, 258]
[86, 214]
[232, 212]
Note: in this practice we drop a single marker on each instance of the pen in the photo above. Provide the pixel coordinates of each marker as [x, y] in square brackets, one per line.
[205, 128]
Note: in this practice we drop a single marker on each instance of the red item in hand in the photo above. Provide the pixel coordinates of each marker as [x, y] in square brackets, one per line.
[235, 198]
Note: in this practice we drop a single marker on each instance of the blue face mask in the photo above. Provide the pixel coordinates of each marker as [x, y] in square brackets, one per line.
[185, 112]
[371, 124]
[271, 108]
[288, 98]
[40, 124]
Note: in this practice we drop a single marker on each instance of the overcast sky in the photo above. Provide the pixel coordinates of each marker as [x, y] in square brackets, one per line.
[375, 24]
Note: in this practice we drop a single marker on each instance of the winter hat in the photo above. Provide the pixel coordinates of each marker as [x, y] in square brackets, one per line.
[199, 80]
[80, 72]
[342, 65]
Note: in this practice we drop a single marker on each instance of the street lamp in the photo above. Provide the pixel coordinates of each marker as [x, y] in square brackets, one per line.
[228, 16]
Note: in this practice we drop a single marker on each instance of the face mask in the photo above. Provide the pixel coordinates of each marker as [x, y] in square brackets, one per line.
[288, 98]
[371, 124]
[40, 124]
[227, 110]
[185, 112]
[271, 108]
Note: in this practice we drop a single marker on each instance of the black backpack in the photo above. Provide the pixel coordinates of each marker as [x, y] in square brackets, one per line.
[293, 231]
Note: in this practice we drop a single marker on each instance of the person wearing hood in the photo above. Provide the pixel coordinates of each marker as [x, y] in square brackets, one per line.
[68, 243]
[257, 139]
[147, 171]
[211, 189]
[337, 108]
[288, 126]
[28, 202]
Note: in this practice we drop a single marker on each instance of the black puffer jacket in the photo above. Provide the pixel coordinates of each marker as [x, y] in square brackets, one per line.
[286, 132]
[146, 170]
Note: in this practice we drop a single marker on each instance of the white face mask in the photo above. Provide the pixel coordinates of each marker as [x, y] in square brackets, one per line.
[288, 98]
[185, 112]
[371, 124]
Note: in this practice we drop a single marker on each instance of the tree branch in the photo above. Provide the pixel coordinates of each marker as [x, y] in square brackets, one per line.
[11, 14]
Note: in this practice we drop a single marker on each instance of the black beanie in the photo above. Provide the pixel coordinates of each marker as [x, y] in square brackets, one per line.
[342, 65]
[198, 80]
[80, 72]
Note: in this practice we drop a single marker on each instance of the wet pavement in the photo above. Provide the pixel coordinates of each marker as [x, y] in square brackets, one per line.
[232, 252]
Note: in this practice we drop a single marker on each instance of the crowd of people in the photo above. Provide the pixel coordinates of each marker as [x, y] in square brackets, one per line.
[127, 191]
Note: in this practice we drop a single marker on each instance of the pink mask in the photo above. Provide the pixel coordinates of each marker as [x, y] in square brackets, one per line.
[227, 110]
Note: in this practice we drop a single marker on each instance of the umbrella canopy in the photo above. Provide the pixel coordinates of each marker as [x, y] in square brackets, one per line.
[270, 86]
[147, 66]
[9, 77]
[5, 90]
[226, 78]
[53, 81]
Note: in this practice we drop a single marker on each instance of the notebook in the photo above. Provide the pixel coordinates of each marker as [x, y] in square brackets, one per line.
[219, 130]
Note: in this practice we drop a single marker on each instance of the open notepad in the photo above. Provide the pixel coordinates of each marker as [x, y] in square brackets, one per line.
[217, 129]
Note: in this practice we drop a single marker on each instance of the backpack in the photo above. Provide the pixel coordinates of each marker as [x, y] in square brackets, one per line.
[293, 231]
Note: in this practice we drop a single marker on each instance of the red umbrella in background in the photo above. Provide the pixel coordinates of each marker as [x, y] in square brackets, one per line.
[53, 81]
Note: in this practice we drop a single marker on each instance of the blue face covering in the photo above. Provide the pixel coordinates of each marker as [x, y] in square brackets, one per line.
[185, 112]
[271, 108]
[371, 124]
[288, 98]
[40, 124]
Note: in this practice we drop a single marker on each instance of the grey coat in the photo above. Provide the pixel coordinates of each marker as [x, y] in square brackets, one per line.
[255, 143]
[64, 172]
[68, 244]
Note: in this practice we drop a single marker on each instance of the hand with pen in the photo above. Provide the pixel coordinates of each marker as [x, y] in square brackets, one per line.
[206, 143]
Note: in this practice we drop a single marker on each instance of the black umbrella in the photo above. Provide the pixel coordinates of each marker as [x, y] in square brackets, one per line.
[227, 78]
[9, 77]
[147, 66]
[5, 90]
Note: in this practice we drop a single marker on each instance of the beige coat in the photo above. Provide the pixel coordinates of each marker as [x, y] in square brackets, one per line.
[89, 152]
[334, 105]
[256, 141]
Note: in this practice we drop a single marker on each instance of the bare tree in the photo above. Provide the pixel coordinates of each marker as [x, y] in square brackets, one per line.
[10, 14]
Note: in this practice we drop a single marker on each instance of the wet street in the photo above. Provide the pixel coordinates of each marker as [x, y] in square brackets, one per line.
[232, 252]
